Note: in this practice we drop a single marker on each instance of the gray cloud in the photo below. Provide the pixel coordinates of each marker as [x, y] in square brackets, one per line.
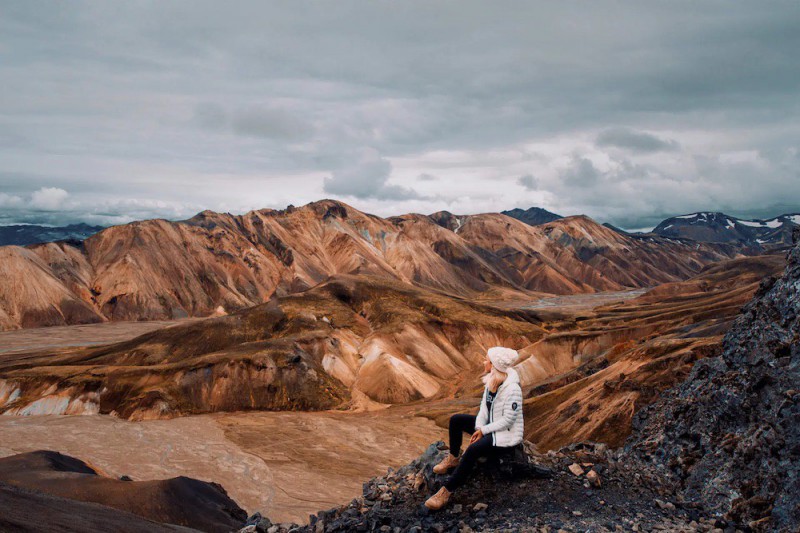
[636, 141]
[366, 177]
[255, 121]
[529, 182]
[580, 173]
[264, 104]
[54, 206]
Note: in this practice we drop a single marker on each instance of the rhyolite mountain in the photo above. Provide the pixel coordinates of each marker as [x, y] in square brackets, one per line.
[355, 340]
[215, 262]
[534, 216]
[719, 227]
[349, 341]
[22, 234]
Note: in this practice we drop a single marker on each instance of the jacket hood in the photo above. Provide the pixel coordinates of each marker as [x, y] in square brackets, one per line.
[513, 376]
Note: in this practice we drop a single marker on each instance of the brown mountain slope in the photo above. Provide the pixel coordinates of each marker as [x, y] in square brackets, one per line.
[31, 292]
[351, 341]
[156, 269]
[575, 254]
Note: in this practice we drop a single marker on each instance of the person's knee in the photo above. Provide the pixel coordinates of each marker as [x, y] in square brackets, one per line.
[457, 420]
[472, 453]
[453, 421]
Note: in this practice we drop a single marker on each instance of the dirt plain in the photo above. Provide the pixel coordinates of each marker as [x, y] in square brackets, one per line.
[284, 465]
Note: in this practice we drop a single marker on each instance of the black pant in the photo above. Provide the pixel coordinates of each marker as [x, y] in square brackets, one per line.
[460, 424]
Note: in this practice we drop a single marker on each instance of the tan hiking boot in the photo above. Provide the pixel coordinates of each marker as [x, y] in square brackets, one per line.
[447, 463]
[438, 500]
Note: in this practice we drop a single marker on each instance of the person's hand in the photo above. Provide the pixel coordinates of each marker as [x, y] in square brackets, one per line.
[476, 436]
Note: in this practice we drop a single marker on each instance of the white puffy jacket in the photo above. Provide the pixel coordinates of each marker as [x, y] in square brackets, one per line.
[504, 422]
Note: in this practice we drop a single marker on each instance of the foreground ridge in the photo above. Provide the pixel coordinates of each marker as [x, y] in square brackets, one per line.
[543, 495]
[728, 438]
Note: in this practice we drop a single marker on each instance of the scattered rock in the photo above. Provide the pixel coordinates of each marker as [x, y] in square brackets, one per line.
[480, 507]
[576, 469]
[594, 478]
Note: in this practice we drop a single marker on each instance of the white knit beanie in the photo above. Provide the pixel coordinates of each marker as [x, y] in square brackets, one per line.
[502, 358]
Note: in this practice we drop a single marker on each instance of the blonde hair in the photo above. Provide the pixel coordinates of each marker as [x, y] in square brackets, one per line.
[494, 378]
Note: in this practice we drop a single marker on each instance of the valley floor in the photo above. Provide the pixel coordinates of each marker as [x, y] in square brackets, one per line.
[285, 465]
[570, 302]
[19, 340]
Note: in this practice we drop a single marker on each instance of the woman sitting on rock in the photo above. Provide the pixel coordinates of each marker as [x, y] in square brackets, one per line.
[498, 424]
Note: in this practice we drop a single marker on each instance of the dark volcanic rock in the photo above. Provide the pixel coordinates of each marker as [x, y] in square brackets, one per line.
[526, 492]
[533, 216]
[729, 437]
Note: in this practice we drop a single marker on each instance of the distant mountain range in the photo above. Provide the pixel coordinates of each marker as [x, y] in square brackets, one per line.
[32, 234]
[702, 227]
[155, 269]
[722, 228]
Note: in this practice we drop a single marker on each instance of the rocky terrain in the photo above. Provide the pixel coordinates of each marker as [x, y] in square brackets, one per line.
[217, 263]
[255, 456]
[533, 493]
[360, 336]
[719, 227]
[728, 437]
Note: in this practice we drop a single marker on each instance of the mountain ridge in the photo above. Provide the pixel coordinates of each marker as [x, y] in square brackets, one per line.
[158, 269]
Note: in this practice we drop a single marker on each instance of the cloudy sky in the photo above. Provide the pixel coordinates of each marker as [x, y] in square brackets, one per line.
[626, 111]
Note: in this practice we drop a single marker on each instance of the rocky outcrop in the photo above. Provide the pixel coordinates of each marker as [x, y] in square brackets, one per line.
[30, 511]
[523, 492]
[181, 501]
[728, 438]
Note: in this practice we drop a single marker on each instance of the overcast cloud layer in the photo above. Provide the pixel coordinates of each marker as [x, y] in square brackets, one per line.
[626, 111]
